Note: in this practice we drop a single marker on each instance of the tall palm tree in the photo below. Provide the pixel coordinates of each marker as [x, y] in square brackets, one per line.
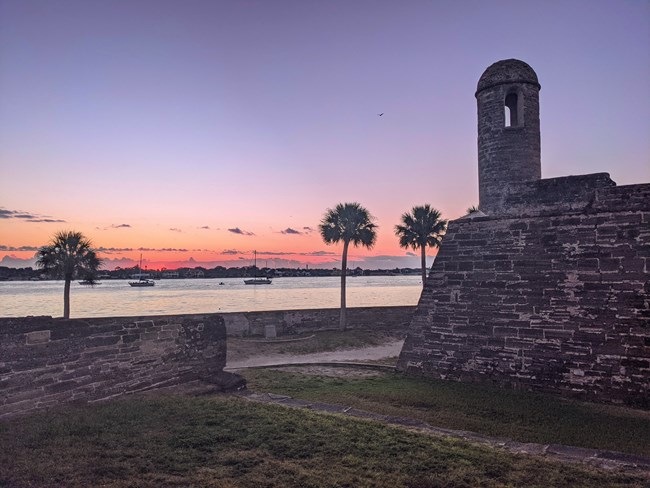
[350, 223]
[420, 228]
[69, 255]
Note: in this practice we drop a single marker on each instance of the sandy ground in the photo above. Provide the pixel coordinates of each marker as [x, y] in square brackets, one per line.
[373, 353]
[332, 371]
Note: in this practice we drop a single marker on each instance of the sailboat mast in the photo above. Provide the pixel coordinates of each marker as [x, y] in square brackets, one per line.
[255, 280]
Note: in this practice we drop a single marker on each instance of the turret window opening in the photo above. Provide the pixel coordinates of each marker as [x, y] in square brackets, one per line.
[513, 115]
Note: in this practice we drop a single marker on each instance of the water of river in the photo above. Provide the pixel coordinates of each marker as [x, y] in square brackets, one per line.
[114, 298]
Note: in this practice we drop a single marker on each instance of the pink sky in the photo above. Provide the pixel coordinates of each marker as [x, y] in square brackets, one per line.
[169, 125]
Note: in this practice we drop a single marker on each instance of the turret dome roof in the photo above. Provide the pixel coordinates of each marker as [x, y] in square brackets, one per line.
[507, 71]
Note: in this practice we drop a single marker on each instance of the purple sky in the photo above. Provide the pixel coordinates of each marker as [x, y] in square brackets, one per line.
[258, 115]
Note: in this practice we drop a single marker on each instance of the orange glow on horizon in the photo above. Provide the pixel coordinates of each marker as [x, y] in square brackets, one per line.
[205, 247]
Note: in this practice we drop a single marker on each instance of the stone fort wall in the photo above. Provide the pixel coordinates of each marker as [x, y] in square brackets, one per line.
[45, 362]
[552, 294]
[287, 322]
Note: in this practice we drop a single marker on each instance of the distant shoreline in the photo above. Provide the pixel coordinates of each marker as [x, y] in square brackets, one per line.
[30, 274]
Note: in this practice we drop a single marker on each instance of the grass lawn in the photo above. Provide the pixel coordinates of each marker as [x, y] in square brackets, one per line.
[521, 416]
[226, 442]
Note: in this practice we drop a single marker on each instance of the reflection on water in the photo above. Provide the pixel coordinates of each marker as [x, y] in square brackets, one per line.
[117, 298]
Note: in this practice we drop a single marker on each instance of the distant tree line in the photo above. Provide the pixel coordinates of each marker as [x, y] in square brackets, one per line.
[27, 274]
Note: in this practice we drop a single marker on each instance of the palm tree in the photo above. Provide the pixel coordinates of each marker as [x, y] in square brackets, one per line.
[69, 256]
[420, 228]
[350, 223]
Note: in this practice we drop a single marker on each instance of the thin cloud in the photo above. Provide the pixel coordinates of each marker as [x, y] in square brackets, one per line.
[231, 252]
[174, 229]
[20, 248]
[237, 230]
[109, 250]
[311, 253]
[26, 216]
[12, 214]
[290, 231]
[116, 226]
[206, 227]
[164, 249]
[308, 230]
[319, 253]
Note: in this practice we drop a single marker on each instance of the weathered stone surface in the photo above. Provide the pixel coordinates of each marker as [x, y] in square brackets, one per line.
[507, 155]
[287, 322]
[560, 313]
[46, 362]
[37, 337]
[551, 289]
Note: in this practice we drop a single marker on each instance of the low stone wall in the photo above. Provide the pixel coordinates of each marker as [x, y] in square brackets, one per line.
[46, 361]
[302, 321]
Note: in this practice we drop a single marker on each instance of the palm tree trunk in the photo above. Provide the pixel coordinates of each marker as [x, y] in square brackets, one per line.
[66, 298]
[344, 267]
[423, 252]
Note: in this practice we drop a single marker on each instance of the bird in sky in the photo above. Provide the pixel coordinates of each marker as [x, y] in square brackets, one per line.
[381, 114]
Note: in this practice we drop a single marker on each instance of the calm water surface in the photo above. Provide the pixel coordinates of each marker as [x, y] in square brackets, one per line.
[117, 298]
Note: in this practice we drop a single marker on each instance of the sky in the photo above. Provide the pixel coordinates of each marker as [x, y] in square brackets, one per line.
[194, 132]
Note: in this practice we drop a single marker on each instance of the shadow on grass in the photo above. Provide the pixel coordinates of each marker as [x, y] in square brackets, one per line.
[521, 416]
[217, 441]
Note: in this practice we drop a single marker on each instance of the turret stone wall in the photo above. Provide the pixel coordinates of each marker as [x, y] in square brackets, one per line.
[507, 154]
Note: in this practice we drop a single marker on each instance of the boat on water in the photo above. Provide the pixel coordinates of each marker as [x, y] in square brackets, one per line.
[256, 280]
[142, 280]
[90, 282]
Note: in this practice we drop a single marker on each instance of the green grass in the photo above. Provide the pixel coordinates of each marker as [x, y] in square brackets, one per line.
[225, 442]
[521, 416]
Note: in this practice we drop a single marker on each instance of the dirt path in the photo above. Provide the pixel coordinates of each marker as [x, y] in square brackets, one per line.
[372, 353]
